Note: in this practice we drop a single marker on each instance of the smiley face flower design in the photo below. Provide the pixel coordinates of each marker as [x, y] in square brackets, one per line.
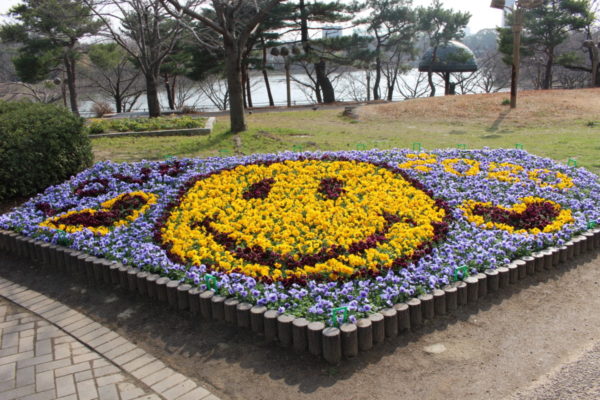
[300, 219]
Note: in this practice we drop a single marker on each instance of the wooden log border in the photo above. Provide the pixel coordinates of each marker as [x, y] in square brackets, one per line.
[294, 333]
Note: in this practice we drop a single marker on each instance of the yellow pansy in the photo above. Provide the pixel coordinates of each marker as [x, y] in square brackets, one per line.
[450, 166]
[282, 211]
[563, 180]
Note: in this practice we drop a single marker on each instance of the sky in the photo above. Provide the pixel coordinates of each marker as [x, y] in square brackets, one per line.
[483, 16]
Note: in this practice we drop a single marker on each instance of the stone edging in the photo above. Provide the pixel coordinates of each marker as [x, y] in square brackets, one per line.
[165, 132]
[299, 334]
[107, 343]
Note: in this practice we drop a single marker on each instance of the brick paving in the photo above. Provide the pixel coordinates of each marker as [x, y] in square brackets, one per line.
[49, 351]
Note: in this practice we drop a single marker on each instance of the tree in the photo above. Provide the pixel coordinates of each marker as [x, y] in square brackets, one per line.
[50, 32]
[318, 52]
[234, 22]
[492, 74]
[586, 42]
[440, 25]
[393, 26]
[8, 72]
[146, 32]
[545, 28]
[175, 65]
[112, 72]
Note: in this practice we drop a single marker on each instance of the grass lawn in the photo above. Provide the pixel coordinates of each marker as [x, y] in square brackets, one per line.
[559, 124]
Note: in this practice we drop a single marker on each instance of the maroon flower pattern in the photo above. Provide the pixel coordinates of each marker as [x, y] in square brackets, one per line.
[121, 209]
[81, 191]
[144, 177]
[50, 211]
[172, 168]
[259, 190]
[331, 188]
[536, 215]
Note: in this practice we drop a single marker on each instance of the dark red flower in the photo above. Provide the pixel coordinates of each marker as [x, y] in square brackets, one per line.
[331, 188]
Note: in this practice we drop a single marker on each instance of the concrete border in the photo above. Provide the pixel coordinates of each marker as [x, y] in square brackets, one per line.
[332, 344]
[110, 345]
[210, 121]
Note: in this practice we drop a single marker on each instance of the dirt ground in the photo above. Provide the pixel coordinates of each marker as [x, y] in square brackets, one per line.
[535, 107]
[504, 346]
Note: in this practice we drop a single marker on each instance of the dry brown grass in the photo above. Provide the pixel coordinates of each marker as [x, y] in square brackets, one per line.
[534, 107]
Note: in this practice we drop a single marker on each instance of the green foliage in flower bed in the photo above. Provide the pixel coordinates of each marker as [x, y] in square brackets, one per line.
[40, 145]
[96, 126]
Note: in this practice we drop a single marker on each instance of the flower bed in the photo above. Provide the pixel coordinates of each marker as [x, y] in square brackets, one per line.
[307, 233]
[97, 125]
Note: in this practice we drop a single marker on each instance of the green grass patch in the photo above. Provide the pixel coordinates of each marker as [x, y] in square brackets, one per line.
[325, 130]
[97, 125]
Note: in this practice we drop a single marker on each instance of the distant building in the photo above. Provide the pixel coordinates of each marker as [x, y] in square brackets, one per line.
[330, 31]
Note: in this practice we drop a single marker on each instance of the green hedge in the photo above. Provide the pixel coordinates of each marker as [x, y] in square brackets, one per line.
[96, 125]
[40, 145]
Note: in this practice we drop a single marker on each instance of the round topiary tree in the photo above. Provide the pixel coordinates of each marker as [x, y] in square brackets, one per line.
[40, 145]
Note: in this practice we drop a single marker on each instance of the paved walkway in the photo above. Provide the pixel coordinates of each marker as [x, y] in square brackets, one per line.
[49, 351]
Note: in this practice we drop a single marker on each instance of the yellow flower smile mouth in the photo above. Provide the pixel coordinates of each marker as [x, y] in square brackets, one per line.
[306, 218]
[288, 261]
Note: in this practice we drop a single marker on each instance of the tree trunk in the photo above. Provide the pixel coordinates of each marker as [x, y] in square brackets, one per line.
[244, 88]
[118, 103]
[169, 89]
[152, 95]
[318, 93]
[376, 94]
[368, 85]
[233, 67]
[324, 82]
[70, 69]
[430, 72]
[390, 89]
[63, 90]
[547, 82]
[431, 85]
[118, 96]
[248, 89]
[265, 75]
[446, 83]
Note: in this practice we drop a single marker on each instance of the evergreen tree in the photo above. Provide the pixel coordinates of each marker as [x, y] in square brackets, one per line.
[544, 29]
[441, 25]
[393, 24]
[50, 31]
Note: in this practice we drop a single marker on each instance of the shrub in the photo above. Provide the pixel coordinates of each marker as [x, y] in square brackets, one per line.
[101, 108]
[188, 110]
[40, 145]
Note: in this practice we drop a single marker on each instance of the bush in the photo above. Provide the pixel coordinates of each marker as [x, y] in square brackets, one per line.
[101, 108]
[40, 145]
